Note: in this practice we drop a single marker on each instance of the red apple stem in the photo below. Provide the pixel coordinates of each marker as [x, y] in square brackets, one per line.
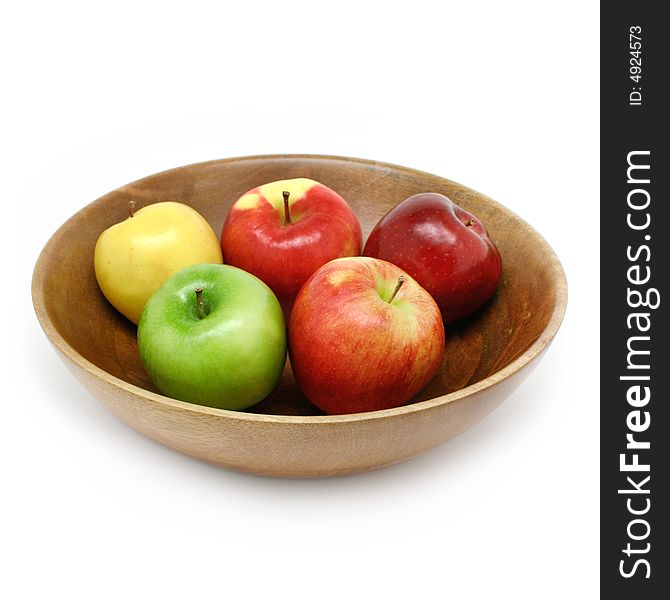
[287, 212]
[469, 222]
[398, 285]
[201, 304]
[131, 208]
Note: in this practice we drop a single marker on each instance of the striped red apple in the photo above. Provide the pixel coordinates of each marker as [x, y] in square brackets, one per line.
[363, 336]
[285, 230]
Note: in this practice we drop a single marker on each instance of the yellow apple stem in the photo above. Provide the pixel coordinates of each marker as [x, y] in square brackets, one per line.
[131, 208]
[201, 305]
[287, 212]
[398, 285]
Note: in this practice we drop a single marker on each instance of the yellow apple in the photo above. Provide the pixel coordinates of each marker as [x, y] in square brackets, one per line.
[134, 257]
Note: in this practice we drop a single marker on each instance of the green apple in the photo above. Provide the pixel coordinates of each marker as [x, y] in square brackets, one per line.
[213, 335]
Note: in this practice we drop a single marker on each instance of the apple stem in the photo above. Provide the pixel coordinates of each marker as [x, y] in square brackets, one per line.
[469, 222]
[201, 305]
[398, 285]
[131, 208]
[287, 212]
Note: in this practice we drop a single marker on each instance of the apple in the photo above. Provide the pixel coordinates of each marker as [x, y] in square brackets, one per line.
[363, 336]
[445, 248]
[285, 230]
[134, 257]
[213, 335]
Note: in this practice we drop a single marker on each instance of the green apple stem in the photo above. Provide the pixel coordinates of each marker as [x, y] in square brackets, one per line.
[131, 208]
[201, 304]
[398, 285]
[287, 212]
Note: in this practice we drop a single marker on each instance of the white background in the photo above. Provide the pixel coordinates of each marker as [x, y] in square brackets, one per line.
[500, 96]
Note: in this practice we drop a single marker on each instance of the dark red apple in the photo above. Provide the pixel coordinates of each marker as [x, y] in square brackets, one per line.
[363, 336]
[445, 248]
[283, 231]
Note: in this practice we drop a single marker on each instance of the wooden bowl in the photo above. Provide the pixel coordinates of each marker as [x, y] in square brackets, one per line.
[487, 356]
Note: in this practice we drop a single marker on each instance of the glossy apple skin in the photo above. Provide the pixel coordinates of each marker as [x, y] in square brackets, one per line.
[230, 359]
[134, 257]
[351, 350]
[445, 248]
[256, 238]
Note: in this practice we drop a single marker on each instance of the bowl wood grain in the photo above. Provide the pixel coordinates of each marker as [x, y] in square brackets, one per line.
[487, 356]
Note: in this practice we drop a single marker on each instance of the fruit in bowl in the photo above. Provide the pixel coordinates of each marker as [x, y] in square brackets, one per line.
[444, 247]
[134, 257]
[285, 230]
[213, 335]
[484, 362]
[363, 336]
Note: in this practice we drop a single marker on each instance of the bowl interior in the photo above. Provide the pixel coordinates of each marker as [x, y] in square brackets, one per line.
[475, 348]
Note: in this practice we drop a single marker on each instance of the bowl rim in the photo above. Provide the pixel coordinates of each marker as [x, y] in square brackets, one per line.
[535, 349]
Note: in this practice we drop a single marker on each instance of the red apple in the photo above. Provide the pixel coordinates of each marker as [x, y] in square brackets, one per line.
[445, 248]
[285, 230]
[363, 336]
